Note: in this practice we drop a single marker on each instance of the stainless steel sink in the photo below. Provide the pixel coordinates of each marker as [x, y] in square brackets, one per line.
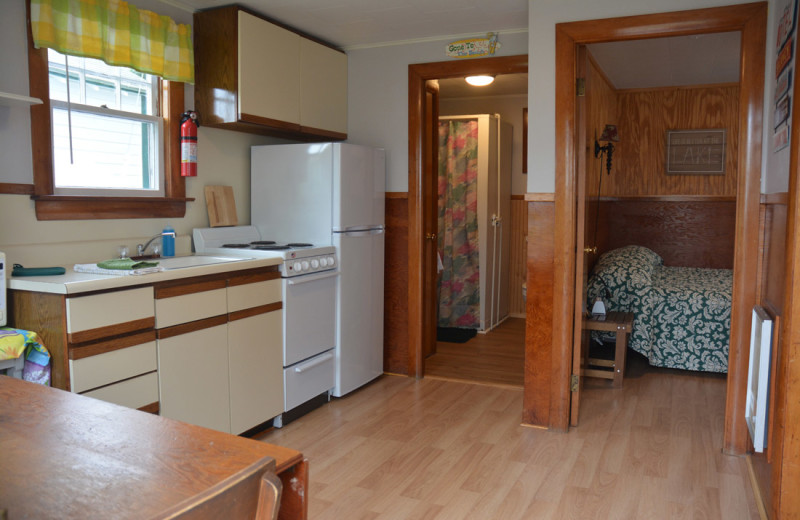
[182, 262]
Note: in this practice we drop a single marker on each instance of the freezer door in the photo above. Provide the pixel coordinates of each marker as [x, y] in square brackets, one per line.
[359, 344]
[359, 187]
[290, 192]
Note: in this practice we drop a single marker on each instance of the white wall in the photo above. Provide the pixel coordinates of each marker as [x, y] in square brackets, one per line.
[377, 111]
[543, 15]
[223, 158]
[510, 110]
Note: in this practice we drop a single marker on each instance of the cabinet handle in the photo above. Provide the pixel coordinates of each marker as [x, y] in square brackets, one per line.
[314, 362]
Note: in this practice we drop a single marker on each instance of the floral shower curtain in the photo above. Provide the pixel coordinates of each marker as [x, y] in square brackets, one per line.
[459, 281]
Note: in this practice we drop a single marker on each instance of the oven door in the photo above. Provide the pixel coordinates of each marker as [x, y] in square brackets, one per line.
[309, 315]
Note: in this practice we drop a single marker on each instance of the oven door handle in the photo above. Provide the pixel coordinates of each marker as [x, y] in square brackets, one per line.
[308, 365]
[306, 278]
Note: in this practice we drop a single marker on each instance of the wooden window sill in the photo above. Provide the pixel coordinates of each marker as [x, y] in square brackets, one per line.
[61, 207]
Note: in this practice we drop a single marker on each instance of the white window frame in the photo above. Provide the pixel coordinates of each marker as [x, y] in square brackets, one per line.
[158, 144]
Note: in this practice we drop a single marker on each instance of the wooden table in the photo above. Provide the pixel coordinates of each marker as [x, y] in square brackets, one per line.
[69, 456]
[621, 324]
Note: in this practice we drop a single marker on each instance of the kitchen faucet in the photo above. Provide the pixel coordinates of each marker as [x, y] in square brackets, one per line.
[140, 249]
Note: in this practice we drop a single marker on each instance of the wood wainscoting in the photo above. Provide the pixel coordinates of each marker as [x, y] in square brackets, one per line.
[686, 231]
[395, 285]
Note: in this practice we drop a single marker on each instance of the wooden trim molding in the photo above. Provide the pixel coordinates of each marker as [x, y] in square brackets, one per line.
[396, 194]
[55, 207]
[182, 289]
[517, 197]
[16, 189]
[750, 20]
[272, 274]
[185, 328]
[255, 311]
[667, 198]
[117, 329]
[153, 408]
[102, 347]
[540, 197]
[418, 75]
[781, 198]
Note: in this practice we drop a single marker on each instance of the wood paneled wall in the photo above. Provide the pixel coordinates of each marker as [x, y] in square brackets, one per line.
[644, 116]
[688, 233]
[771, 297]
[395, 284]
[518, 253]
[601, 110]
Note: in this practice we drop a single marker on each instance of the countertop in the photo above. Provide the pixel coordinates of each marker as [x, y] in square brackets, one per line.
[75, 283]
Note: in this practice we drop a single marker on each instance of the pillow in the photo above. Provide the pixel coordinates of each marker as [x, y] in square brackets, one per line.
[623, 278]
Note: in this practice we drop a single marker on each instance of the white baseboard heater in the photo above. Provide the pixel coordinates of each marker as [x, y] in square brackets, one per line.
[757, 404]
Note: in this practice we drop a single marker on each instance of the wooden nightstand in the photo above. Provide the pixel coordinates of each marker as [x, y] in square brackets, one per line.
[621, 323]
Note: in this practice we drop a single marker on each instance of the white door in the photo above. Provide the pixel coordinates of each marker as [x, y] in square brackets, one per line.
[359, 348]
[256, 370]
[193, 377]
[359, 185]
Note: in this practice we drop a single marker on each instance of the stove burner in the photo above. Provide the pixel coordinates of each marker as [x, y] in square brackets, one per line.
[271, 248]
[262, 243]
[236, 246]
[299, 244]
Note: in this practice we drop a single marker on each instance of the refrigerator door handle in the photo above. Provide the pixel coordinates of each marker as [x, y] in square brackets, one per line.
[351, 229]
[364, 233]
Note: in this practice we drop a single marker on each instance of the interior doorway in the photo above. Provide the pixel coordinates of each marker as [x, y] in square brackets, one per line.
[750, 20]
[423, 195]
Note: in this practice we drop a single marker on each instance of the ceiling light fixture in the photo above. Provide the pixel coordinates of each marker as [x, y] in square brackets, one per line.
[479, 81]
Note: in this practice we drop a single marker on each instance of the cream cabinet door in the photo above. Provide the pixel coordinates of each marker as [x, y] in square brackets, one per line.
[255, 362]
[193, 377]
[323, 87]
[268, 70]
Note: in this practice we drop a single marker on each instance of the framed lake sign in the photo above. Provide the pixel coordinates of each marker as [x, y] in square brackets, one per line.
[696, 152]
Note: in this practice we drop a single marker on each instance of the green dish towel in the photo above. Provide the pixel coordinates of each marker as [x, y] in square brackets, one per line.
[124, 264]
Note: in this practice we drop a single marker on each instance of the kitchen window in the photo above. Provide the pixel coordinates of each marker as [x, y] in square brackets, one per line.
[109, 149]
[106, 129]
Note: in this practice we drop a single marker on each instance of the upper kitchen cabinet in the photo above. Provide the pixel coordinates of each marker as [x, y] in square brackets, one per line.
[256, 76]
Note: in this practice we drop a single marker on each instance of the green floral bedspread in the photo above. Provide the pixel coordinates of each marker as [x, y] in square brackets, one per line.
[682, 315]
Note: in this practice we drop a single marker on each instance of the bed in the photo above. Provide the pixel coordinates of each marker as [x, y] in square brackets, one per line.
[682, 315]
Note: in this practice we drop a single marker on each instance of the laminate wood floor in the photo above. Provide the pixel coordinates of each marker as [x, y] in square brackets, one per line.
[497, 357]
[402, 448]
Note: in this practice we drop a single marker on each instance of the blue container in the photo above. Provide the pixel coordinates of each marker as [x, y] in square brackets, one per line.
[168, 241]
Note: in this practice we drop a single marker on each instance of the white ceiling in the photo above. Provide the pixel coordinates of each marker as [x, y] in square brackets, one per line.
[349, 23]
[661, 62]
[505, 85]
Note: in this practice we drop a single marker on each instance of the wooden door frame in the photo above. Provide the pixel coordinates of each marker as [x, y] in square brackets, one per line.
[418, 74]
[751, 21]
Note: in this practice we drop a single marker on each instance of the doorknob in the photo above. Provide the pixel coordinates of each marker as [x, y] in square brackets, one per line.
[430, 236]
[592, 250]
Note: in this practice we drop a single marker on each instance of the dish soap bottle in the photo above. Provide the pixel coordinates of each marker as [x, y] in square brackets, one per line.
[168, 241]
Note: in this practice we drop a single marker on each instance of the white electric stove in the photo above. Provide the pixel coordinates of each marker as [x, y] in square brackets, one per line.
[308, 283]
[298, 258]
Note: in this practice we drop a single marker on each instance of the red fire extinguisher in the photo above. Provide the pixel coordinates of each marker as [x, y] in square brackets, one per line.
[189, 126]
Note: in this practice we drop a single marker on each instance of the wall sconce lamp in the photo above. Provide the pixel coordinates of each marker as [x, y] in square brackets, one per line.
[609, 136]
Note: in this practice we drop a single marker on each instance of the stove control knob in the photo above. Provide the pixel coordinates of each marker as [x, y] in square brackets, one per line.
[297, 267]
[330, 261]
[315, 263]
[305, 265]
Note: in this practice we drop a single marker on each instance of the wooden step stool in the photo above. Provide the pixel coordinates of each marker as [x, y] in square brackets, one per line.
[621, 324]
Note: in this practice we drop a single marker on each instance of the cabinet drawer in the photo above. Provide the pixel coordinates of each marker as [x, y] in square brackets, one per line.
[106, 309]
[190, 307]
[133, 393]
[103, 369]
[242, 297]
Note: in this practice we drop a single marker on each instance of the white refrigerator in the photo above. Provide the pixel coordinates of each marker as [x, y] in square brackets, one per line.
[332, 193]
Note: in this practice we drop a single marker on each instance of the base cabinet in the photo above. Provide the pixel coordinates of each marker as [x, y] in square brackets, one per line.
[193, 377]
[255, 368]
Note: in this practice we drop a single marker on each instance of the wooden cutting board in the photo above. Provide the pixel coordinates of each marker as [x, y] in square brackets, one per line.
[221, 206]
